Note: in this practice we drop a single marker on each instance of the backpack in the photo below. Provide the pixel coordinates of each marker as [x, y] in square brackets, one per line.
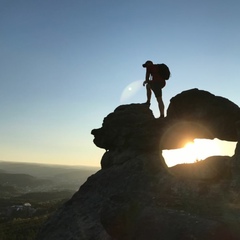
[164, 71]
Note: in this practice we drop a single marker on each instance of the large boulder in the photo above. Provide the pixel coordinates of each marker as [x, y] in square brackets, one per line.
[191, 114]
[127, 127]
[217, 114]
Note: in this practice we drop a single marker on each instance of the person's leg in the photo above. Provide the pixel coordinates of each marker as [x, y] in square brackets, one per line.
[157, 89]
[149, 93]
[160, 106]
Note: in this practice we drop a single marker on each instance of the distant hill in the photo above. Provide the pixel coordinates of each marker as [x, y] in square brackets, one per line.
[46, 196]
[42, 177]
[8, 191]
[21, 180]
[44, 170]
[73, 175]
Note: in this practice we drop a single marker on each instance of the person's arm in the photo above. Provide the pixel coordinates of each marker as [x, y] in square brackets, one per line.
[146, 77]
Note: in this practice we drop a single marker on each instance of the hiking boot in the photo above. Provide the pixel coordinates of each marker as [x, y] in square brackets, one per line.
[147, 103]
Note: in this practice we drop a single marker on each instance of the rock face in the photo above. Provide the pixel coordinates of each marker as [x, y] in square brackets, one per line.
[136, 197]
[217, 114]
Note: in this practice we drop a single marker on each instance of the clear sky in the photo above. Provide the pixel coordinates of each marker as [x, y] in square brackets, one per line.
[66, 64]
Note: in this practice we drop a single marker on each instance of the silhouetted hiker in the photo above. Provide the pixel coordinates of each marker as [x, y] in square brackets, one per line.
[156, 74]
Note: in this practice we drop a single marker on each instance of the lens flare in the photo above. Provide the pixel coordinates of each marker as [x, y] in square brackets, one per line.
[191, 142]
[130, 90]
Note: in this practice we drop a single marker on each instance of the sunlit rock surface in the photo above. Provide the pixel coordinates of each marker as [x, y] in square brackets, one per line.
[136, 197]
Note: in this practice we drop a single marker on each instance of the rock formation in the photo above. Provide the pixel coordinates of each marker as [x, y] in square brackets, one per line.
[135, 196]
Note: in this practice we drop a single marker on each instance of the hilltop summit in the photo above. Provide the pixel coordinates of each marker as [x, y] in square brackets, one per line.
[135, 196]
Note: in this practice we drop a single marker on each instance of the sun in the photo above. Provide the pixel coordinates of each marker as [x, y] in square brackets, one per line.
[206, 148]
[197, 150]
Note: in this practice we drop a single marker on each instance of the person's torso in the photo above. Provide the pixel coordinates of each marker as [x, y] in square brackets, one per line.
[154, 72]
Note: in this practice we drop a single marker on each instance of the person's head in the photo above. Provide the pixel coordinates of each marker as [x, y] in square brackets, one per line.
[147, 63]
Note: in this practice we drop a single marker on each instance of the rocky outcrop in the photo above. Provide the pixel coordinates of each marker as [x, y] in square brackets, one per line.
[191, 114]
[135, 196]
[212, 168]
[217, 114]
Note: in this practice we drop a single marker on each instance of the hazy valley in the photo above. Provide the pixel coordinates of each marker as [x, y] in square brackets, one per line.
[30, 193]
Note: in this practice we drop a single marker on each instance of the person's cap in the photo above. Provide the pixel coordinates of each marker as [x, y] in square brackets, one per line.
[147, 63]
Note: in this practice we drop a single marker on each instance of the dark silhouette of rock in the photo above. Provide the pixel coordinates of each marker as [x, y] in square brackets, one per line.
[191, 114]
[135, 196]
[217, 114]
[212, 168]
[126, 127]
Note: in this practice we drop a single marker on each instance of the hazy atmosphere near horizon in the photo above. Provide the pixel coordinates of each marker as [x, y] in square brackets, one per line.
[65, 65]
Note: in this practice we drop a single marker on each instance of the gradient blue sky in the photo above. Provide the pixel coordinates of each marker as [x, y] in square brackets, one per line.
[66, 64]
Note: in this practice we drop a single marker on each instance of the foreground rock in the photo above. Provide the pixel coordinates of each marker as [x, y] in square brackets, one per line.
[135, 196]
